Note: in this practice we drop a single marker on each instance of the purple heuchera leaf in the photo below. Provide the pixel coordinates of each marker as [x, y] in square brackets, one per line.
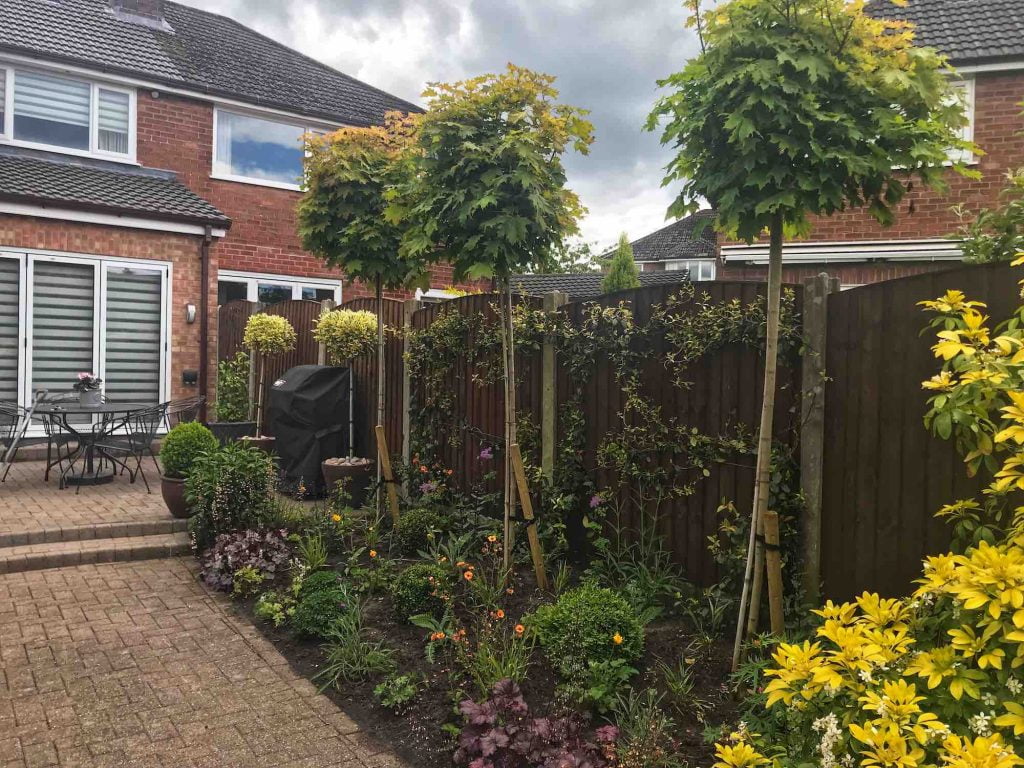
[266, 551]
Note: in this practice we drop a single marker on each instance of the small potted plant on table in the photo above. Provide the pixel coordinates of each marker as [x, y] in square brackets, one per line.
[231, 411]
[347, 334]
[185, 443]
[265, 336]
[90, 390]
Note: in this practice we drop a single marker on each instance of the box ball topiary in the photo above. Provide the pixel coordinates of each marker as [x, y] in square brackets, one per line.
[586, 624]
[183, 445]
[421, 588]
[412, 533]
[317, 612]
[318, 581]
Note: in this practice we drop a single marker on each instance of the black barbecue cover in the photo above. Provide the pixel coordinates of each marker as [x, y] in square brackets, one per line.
[308, 413]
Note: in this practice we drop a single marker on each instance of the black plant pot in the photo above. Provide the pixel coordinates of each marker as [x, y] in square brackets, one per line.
[228, 432]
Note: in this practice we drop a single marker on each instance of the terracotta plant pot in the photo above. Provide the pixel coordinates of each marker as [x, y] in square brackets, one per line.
[263, 442]
[173, 491]
[228, 432]
[358, 472]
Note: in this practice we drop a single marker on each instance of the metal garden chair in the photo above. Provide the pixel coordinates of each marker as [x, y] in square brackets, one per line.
[132, 441]
[183, 410]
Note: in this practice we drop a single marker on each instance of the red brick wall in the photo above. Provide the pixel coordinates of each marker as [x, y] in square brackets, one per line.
[925, 213]
[181, 250]
[176, 133]
[848, 274]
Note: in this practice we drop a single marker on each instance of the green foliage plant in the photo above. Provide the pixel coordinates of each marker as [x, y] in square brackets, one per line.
[494, 651]
[312, 550]
[346, 333]
[318, 581]
[488, 193]
[183, 444]
[995, 234]
[793, 109]
[421, 588]
[232, 403]
[416, 529]
[246, 581]
[646, 732]
[230, 489]
[622, 273]
[396, 692]
[681, 688]
[317, 611]
[274, 607]
[266, 336]
[586, 624]
[600, 686]
[350, 657]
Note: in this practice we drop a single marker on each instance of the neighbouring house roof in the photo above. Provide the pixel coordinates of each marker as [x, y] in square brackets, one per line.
[587, 286]
[195, 50]
[58, 181]
[967, 31]
[679, 240]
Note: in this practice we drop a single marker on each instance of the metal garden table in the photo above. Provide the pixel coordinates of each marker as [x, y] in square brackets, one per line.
[88, 434]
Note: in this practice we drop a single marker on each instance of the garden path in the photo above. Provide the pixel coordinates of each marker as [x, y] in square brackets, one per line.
[138, 664]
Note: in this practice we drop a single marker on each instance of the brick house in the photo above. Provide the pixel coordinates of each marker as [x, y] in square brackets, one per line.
[984, 41]
[150, 160]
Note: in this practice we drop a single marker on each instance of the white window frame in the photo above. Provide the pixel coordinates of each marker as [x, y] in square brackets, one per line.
[967, 131]
[214, 174]
[7, 129]
[252, 281]
[28, 257]
[690, 265]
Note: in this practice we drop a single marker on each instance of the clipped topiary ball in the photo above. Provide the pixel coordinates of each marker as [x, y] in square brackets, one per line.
[421, 588]
[587, 624]
[317, 612]
[183, 445]
[412, 534]
[318, 581]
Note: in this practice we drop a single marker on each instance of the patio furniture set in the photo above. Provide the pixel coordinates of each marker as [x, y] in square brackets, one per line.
[90, 440]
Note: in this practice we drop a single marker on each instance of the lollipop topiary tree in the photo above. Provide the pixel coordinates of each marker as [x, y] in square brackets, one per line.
[265, 336]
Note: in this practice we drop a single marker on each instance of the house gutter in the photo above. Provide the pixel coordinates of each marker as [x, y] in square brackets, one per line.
[204, 319]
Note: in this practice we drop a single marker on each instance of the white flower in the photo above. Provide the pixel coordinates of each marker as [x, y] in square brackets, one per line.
[981, 724]
[1014, 686]
[865, 676]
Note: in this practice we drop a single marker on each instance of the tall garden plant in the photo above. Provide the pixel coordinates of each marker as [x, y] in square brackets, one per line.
[793, 109]
[489, 193]
[265, 336]
[349, 175]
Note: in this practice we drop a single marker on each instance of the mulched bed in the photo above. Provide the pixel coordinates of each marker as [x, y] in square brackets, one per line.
[419, 736]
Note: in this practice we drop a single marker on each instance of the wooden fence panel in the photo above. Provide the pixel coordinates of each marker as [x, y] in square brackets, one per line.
[884, 475]
[726, 391]
[231, 320]
[364, 371]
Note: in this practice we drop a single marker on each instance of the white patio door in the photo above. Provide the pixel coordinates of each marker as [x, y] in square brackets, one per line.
[64, 314]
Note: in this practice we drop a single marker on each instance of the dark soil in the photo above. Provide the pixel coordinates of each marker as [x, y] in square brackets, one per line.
[419, 735]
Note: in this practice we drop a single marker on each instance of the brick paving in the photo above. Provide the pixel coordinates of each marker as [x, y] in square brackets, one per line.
[137, 664]
[32, 511]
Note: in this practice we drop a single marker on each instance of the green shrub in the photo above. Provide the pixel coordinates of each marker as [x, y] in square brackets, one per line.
[233, 389]
[395, 692]
[183, 445]
[421, 588]
[587, 624]
[319, 581]
[230, 489]
[274, 607]
[414, 530]
[317, 612]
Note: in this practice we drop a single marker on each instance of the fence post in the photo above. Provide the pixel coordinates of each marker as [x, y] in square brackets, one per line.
[327, 305]
[549, 392]
[812, 424]
[409, 308]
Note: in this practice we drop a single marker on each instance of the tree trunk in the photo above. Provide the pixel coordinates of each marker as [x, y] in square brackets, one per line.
[754, 572]
[509, 354]
[380, 381]
[259, 396]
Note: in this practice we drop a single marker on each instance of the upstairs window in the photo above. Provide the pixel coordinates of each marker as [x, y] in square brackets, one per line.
[65, 114]
[258, 150]
[965, 92]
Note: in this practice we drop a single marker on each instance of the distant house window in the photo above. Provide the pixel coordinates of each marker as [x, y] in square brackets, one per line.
[258, 150]
[965, 90]
[271, 289]
[66, 114]
[700, 269]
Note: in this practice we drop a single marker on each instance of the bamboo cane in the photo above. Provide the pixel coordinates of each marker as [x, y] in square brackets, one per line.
[389, 479]
[773, 560]
[508, 353]
[536, 552]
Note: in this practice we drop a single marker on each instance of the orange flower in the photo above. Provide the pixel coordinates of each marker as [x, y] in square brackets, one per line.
[509, 591]
[450, 472]
[468, 575]
[438, 636]
[423, 469]
[617, 638]
[499, 614]
[520, 629]
[492, 538]
[373, 553]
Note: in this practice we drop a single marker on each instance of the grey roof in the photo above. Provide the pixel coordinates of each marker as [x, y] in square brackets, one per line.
[40, 178]
[200, 51]
[967, 31]
[587, 286]
[679, 240]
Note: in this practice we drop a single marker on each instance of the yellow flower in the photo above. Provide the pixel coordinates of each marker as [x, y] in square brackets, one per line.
[336, 518]
[796, 666]
[617, 638]
[492, 538]
[981, 753]
[950, 302]
[1014, 718]
[738, 756]
[886, 748]
[942, 382]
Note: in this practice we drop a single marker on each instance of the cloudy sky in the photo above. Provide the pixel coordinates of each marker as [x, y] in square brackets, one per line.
[606, 54]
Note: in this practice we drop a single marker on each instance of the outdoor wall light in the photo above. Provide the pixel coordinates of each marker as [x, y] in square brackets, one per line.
[190, 313]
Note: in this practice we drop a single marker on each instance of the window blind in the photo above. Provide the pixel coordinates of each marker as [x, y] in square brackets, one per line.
[63, 303]
[133, 334]
[10, 311]
[51, 110]
[112, 115]
[3, 99]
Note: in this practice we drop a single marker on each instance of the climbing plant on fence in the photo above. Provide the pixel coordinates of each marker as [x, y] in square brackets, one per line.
[629, 435]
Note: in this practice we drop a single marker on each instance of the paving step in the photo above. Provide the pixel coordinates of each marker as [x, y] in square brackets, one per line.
[37, 557]
[155, 527]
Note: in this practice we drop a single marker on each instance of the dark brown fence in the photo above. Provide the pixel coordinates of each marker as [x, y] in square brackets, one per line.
[364, 370]
[884, 475]
[231, 320]
[726, 392]
[479, 415]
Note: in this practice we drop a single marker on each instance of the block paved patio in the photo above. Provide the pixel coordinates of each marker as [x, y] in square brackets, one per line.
[137, 664]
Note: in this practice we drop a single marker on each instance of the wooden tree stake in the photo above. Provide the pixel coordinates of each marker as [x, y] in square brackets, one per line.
[773, 559]
[531, 527]
[385, 466]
